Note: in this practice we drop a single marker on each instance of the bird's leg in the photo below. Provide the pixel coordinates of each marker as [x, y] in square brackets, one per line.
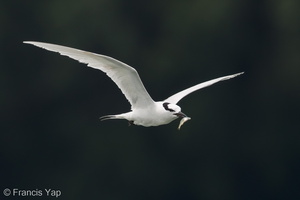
[130, 123]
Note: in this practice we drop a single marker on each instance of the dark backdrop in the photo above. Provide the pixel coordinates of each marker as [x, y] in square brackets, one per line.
[242, 141]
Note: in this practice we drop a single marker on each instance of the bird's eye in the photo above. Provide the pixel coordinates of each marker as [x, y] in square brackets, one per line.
[165, 105]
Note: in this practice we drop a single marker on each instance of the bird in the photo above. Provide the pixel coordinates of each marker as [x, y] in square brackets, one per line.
[144, 110]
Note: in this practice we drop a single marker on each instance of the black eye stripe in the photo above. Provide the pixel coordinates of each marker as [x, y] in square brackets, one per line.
[165, 105]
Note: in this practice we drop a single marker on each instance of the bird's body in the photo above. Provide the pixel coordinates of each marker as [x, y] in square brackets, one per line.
[144, 111]
[154, 115]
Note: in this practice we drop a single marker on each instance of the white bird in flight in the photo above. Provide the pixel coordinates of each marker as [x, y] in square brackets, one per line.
[144, 110]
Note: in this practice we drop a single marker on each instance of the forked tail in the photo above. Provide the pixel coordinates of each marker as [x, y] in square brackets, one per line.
[120, 116]
[107, 117]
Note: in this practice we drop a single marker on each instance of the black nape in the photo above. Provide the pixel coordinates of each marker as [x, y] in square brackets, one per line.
[165, 105]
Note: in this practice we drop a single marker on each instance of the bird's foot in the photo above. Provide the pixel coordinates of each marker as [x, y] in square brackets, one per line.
[130, 123]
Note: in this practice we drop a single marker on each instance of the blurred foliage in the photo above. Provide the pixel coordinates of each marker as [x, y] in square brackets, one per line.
[242, 141]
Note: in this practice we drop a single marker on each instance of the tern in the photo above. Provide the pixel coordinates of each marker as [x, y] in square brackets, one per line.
[144, 110]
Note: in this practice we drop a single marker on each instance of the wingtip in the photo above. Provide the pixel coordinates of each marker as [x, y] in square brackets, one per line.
[39, 44]
[29, 42]
[239, 73]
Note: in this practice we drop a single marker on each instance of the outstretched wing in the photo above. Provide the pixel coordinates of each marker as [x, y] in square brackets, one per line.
[174, 99]
[126, 77]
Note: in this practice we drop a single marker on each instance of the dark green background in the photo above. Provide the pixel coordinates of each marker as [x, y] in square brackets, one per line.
[243, 139]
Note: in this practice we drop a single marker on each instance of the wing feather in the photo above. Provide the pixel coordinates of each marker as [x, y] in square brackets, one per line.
[126, 77]
[174, 99]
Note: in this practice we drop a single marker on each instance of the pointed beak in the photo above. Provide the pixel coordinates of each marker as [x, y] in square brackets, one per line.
[180, 114]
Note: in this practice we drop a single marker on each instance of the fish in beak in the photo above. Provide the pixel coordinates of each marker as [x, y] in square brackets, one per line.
[180, 114]
[183, 120]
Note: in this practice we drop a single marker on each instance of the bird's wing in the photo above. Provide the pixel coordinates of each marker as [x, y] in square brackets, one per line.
[178, 96]
[126, 77]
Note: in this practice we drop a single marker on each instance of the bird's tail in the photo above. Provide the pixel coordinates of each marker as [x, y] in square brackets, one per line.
[120, 116]
[107, 117]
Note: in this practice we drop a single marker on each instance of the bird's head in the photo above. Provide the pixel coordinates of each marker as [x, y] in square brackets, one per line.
[175, 112]
[173, 109]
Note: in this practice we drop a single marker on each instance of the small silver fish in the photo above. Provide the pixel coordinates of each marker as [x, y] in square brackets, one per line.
[182, 121]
